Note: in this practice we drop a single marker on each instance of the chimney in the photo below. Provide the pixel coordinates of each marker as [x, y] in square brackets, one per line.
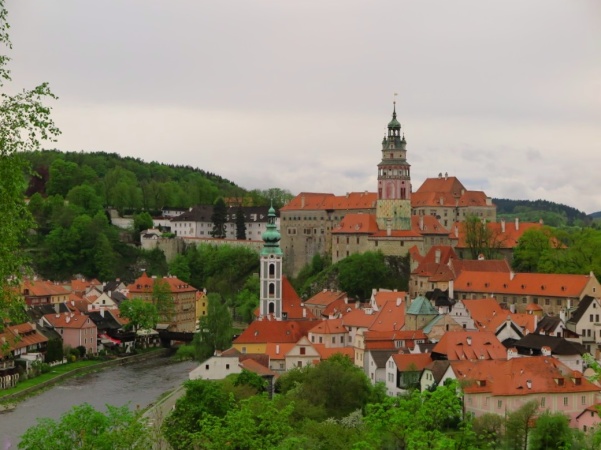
[277, 349]
[451, 288]
[57, 308]
[304, 312]
[456, 231]
[437, 256]
[399, 301]
[511, 275]
[102, 312]
[357, 304]
[517, 223]
[546, 350]
[441, 200]
[439, 175]
[529, 384]
[469, 340]
[502, 225]
[302, 201]
[421, 223]
[446, 175]
[512, 353]
[388, 227]
[541, 221]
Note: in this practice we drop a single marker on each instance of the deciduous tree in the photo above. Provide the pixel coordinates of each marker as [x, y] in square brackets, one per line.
[141, 314]
[219, 219]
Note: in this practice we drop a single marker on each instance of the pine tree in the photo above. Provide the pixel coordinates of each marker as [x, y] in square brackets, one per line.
[219, 219]
[240, 224]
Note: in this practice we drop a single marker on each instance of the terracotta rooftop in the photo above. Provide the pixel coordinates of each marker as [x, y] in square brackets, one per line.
[272, 331]
[540, 284]
[390, 317]
[69, 320]
[322, 201]
[357, 223]
[326, 353]
[521, 376]
[325, 297]
[330, 326]
[145, 284]
[461, 345]
[506, 234]
[412, 362]
[19, 336]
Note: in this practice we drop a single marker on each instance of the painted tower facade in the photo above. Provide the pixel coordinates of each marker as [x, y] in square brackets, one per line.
[270, 301]
[393, 208]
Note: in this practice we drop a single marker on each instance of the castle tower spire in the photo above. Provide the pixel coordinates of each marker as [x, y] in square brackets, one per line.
[270, 301]
[394, 179]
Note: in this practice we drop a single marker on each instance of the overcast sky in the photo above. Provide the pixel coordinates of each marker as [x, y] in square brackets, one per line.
[504, 95]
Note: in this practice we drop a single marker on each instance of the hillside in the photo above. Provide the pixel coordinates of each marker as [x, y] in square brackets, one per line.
[126, 183]
[553, 214]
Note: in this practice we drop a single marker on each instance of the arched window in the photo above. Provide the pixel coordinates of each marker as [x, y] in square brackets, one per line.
[271, 270]
[271, 307]
[271, 289]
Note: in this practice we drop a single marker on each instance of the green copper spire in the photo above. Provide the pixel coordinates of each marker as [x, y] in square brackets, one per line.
[394, 123]
[271, 236]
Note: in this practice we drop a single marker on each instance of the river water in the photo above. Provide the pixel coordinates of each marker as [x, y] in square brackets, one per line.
[136, 384]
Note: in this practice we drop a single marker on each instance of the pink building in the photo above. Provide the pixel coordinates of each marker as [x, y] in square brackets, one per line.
[589, 418]
[76, 329]
[503, 386]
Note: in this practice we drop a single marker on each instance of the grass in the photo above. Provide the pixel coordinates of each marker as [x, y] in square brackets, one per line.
[54, 372]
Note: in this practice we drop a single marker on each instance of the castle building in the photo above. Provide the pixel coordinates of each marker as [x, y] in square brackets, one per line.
[393, 220]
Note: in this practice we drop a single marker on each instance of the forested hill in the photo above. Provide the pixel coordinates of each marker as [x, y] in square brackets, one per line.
[553, 214]
[126, 182]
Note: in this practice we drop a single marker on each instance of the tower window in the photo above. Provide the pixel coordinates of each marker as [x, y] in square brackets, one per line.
[271, 307]
[271, 289]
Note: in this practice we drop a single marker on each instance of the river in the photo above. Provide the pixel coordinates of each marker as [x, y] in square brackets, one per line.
[136, 384]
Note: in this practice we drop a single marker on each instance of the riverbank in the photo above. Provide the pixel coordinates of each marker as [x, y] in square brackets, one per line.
[66, 371]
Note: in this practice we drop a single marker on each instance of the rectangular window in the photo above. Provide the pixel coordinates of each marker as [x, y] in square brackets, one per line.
[499, 403]
[583, 400]
[543, 401]
[565, 401]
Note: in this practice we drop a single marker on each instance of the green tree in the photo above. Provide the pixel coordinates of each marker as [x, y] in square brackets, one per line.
[256, 424]
[247, 300]
[163, 300]
[25, 122]
[83, 427]
[533, 244]
[551, 431]
[215, 328]
[358, 274]
[481, 239]
[64, 176]
[84, 197]
[251, 379]
[141, 314]
[202, 399]
[518, 424]
[219, 219]
[180, 268]
[104, 259]
[240, 224]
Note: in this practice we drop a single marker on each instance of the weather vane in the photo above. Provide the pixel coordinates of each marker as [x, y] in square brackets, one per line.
[394, 98]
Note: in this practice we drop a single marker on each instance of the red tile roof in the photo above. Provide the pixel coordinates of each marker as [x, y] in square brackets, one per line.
[144, 284]
[19, 336]
[292, 304]
[326, 353]
[69, 320]
[358, 318]
[412, 362]
[479, 265]
[383, 296]
[460, 345]
[272, 331]
[255, 367]
[521, 376]
[541, 284]
[357, 223]
[390, 317]
[507, 239]
[330, 326]
[43, 288]
[339, 306]
[321, 201]
[278, 351]
[325, 297]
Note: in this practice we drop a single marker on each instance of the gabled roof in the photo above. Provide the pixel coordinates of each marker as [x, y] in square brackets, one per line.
[521, 376]
[384, 295]
[340, 306]
[558, 345]
[321, 201]
[548, 324]
[461, 345]
[326, 353]
[421, 306]
[42, 288]
[540, 284]
[413, 362]
[438, 369]
[583, 306]
[19, 336]
[330, 326]
[358, 318]
[278, 351]
[325, 297]
[273, 331]
[70, 320]
[255, 367]
[483, 311]
[390, 317]
[507, 237]
[145, 284]
[357, 223]
[381, 357]
[105, 320]
[479, 265]
[448, 184]
[292, 304]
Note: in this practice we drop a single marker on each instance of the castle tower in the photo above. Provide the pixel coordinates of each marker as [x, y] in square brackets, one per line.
[393, 208]
[270, 301]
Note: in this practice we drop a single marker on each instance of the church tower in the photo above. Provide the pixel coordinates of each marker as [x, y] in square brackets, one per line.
[393, 210]
[270, 301]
